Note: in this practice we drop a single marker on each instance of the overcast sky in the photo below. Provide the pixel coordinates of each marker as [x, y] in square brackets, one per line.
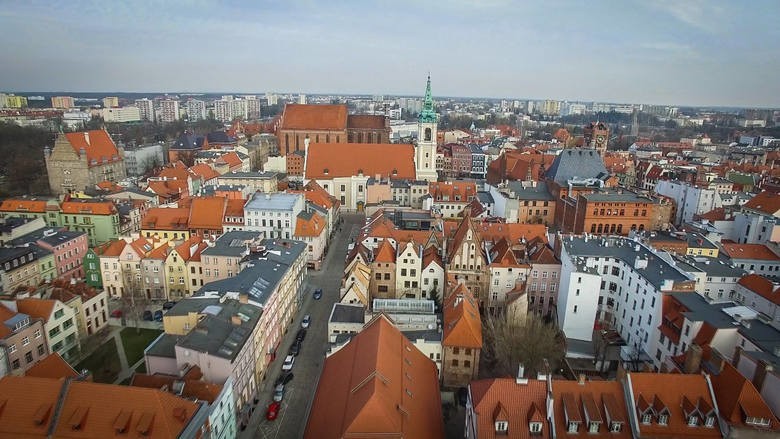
[682, 52]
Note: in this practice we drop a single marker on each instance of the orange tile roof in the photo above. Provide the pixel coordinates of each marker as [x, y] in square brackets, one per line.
[314, 117]
[738, 399]
[27, 405]
[177, 170]
[602, 400]
[761, 286]
[38, 308]
[366, 121]
[459, 231]
[767, 202]
[5, 314]
[385, 253]
[520, 402]
[670, 391]
[501, 255]
[97, 144]
[168, 188]
[23, 205]
[310, 227]
[431, 255]
[231, 159]
[207, 213]
[52, 366]
[235, 207]
[205, 171]
[749, 251]
[162, 218]
[540, 253]
[462, 324]
[88, 207]
[461, 191]
[513, 232]
[717, 214]
[379, 384]
[198, 389]
[111, 248]
[348, 159]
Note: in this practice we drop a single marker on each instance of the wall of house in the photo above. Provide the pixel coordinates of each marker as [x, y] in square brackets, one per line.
[459, 366]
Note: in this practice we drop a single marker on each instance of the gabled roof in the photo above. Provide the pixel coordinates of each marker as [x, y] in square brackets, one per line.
[314, 117]
[193, 388]
[52, 366]
[766, 202]
[431, 256]
[597, 401]
[231, 159]
[461, 233]
[191, 249]
[206, 213]
[452, 191]
[385, 253]
[5, 314]
[749, 251]
[23, 205]
[82, 207]
[580, 163]
[462, 324]
[168, 188]
[738, 399]
[38, 308]
[309, 224]
[161, 218]
[761, 286]
[501, 255]
[205, 171]
[377, 384]
[111, 248]
[521, 403]
[395, 161]
[97, 145]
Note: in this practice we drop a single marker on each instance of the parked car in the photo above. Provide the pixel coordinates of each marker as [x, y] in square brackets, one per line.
[279, 392]
[168, 305]
[158, 316]
[148, 316]
[288, 362]
[116, 313]
[284, 378]
[301, 335]
[317, 294]
[273, 410]
[306, 321]
[295, 349]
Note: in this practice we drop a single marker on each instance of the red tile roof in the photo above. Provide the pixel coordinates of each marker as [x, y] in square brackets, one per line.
[462, 324]
[5, 314]
[761, 286]
[162, 218]
[314, 117]
[88, 207]
[366, 121]
[385, 253]
[395, 161]
[97, 145]
[738, 400]
[452, 191]
[111, 248]
[52, 366]
[766, 202]
[520, 403]
[205, 171]
[38, 308]
[379, 384]
[24, 206]
[193, 388]
[207, 213]
[594, 400]
[750, 251]
[231, 159]
[311, 227]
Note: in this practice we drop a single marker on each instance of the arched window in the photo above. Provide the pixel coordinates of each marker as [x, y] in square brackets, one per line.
[600, 229]
[612, 228]
[620, 229]
[593, 228]
[427, 136]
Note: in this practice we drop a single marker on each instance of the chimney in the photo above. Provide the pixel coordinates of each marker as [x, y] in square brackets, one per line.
[235, 319]
[760, 374]
[581, 379]
[243, 298]
[86, 137]
[692, 359]
[521, 375]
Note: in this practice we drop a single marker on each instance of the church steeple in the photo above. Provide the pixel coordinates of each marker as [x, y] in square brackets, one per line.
[428, 113]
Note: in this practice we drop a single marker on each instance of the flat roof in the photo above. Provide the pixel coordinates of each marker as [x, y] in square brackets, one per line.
[272, 201]
[347, 313]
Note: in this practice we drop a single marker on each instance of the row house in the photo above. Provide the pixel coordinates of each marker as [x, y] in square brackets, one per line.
[317, 196]
[757, 258]
[311, 228]
[543, 278]
[90, 305]
[59, 323]
[99, 219]
[19, 266]
[183, 268]
[274, 215]
[449, 198]
[22, 342]
[462, 337]
[527, 202]
[68, 247]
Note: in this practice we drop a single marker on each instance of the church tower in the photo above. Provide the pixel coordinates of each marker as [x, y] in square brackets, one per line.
[425, 152]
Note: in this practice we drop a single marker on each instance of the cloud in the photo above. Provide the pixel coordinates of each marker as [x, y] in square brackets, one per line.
[700, 14]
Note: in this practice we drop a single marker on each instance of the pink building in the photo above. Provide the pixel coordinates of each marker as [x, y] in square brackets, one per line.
[69, 248]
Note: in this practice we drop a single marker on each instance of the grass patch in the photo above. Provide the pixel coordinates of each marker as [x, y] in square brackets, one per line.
[135, 340]
[103, 363]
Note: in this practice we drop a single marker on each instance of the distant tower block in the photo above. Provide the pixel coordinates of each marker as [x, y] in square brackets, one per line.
[302, 99]
[596, 137]
[634, 124]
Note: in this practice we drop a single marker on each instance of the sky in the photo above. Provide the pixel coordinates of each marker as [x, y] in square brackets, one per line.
[671, 52]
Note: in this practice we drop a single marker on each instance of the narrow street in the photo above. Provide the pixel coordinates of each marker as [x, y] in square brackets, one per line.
[299, 393]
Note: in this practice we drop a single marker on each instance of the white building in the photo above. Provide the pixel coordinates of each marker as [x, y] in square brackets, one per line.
[141, 158]
[146, 108]
[273, 214]
[121, 114]
[196, 109]
[690, 200]
[407, 271]
[169, 110]
[432, 274]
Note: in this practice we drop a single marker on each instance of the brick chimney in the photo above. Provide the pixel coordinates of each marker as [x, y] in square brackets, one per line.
[692, 359]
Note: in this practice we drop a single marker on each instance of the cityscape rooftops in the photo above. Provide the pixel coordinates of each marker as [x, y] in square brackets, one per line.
[223, 330]
[272, 201]
[617, 196]
[576, 163]
[532, 192]
[347, 313]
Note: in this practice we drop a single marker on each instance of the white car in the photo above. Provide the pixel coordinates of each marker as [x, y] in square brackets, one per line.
[306, 321]
[288, 363]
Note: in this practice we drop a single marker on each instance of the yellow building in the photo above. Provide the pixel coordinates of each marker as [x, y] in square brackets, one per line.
[166, 223]
[182, 269]
[13, 101]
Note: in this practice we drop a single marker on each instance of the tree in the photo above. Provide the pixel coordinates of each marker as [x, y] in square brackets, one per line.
[508, 343]
[133, 301]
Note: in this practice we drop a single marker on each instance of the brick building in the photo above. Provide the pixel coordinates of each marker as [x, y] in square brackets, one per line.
[81, 160]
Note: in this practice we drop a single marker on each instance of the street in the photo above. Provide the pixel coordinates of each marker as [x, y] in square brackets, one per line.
[299, 393]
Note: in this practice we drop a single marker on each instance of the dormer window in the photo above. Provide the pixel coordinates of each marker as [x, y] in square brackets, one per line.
[709, 422]
[647, 418]
[615, 427]
[502, 427]
[535, 427]
[693, 421]
[593, 427]
[663, 419]
[572, 427]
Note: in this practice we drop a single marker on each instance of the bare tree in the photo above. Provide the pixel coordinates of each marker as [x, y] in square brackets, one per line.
[508, 343]
[134, 301]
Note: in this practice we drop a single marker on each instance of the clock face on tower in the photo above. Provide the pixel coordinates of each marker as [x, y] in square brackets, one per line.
[599, 139]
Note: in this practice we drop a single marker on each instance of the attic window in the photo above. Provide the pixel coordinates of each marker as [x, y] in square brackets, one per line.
[325, 171]
[615, 427]
[647, 418]
[693, 421]
[663, 419]
[502, 426]
[535, 427]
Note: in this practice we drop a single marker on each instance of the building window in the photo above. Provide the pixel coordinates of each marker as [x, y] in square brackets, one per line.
[455, 363]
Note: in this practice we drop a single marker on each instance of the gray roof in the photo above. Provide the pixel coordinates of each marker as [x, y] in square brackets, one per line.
[579, 163]
[485, 197]
[164, 346]
[762, 335]
[658, 269]
[272, 201]
[713, 267]
[218, 335]
[701, 311]
[425, 334]
[255, 175]
[10, 253]
[476, 149]
[347, 313]
[765, 356]
[536, 193]
[231, 243]
[617, 196]
[13, 222]
[54, 238]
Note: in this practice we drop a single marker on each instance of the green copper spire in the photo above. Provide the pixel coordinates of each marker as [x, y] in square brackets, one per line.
[428, 113]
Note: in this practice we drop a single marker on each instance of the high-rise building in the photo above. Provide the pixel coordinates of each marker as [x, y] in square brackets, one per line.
[169, 110]
[146, 108]
[12, 101]
[271, 98]
[551, 108]
[252, 107]
[196, 109]
[222, 109]
[110, 102]
[301, 98]
[64, 102]
[120, 114]
[238, 109]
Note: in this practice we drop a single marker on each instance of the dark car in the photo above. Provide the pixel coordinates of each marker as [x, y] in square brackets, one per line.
[295, 349]
[284, 379]
[168, 305]
[300, 335]
[148, 316]
[317, 294]
[158, 316]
